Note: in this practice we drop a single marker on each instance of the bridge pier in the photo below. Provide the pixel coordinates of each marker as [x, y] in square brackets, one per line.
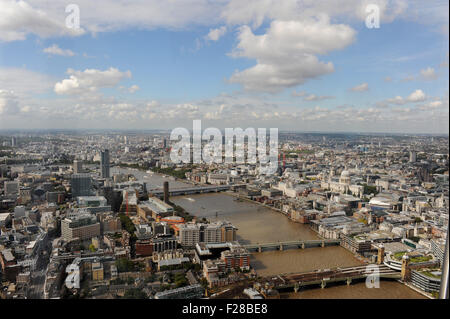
[259, 249]
[323, 284]
[281, 247]
[303, 245]
[349, 281]
[296, 287]
[323, 243]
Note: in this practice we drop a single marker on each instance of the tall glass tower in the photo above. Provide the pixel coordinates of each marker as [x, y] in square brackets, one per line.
[104, 164]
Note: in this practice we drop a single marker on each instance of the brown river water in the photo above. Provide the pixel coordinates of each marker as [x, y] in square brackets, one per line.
[257, 224]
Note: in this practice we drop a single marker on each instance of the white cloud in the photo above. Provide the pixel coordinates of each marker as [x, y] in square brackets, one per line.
[90, 80]
[18, 18]
[428, 74]
[286, 54]
[216, 34]
[46, 18]
[416, 96]
[107, 16]
[24, 82]
[8, 103]
[311, 97]
[360, 88]
[56, 50]
[134, 88]
[255, 12]
[300, 94]
[431, 105]
[396, 100]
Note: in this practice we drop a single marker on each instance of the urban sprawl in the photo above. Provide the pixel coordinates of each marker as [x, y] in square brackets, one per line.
[93, 215]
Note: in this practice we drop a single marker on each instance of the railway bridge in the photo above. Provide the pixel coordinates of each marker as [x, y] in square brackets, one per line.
[322, 277]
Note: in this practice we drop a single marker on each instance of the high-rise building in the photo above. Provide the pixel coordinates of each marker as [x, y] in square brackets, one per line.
[13, 141]
[77, 167]
[104, 164]
[166, 192]
[81, 185]
[412, 157]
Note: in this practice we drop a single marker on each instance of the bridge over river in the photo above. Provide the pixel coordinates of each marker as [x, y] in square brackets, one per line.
[297, 244]
[190, 190]
[322, 277]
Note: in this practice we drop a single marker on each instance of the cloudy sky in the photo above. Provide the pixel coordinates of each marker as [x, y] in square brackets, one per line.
[302, 65]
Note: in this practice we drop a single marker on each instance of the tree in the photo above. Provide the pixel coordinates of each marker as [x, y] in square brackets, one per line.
[124, 265]
[370, 189]
[135, 293]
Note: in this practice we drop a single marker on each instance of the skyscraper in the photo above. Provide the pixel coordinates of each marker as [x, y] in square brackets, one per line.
[81, 185]
[104, 164]
[77, 167]
[13, 141]
[166, 192]
[412, 157]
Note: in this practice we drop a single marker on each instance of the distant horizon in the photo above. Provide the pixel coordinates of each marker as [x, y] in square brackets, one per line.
[79, 130]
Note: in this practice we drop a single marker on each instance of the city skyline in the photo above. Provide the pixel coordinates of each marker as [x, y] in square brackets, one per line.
[295, 65]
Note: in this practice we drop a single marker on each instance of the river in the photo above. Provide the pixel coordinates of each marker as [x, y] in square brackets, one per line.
[258, 224]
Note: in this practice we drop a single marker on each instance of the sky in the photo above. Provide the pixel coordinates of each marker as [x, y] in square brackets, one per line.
[302, 65]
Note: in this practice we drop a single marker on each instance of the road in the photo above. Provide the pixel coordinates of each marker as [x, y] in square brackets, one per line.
[36, 288]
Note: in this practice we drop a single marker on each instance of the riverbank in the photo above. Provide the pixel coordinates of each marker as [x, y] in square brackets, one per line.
[423, 293]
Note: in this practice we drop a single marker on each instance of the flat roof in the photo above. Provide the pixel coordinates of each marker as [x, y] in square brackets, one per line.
[8, 254]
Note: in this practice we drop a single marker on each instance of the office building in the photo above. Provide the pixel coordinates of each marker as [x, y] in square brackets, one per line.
[166, 192]
[160, 243]
[81, 185]
[77, 167]
[218, 232]
[104, 164]
[154, 208]
[412, 156]
[83, 226]
[428, 280]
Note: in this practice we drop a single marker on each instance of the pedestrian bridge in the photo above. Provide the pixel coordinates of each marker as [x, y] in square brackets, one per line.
[299, 244]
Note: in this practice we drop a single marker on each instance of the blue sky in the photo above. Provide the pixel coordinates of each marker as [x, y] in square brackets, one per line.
[264, 63]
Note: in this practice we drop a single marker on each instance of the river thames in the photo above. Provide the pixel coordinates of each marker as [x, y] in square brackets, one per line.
[258, 224]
